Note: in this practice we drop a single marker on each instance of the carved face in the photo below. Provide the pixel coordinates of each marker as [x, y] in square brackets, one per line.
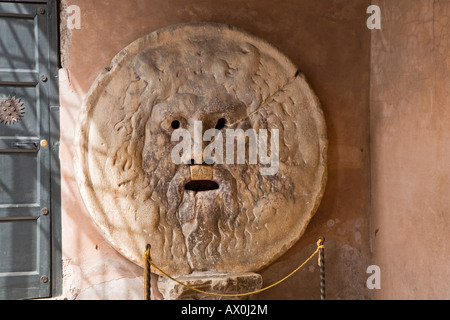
[223, 217]
[198, 199]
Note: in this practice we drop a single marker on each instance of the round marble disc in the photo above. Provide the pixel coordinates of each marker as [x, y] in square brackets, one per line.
[234, 212]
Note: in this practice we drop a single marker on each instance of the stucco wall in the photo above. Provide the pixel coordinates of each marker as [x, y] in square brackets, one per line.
[328, 41]
[410, 120]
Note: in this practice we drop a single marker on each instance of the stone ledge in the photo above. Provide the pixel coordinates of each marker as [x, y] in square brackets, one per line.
[232, 283]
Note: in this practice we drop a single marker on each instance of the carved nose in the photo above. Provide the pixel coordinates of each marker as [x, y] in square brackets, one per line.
[198, 144]
[201, 179]
[201, 172]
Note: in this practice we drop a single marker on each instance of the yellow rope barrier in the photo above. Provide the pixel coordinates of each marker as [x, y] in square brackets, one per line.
[147, 258]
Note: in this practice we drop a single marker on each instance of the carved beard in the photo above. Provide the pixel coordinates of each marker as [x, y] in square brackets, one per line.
[205, 217]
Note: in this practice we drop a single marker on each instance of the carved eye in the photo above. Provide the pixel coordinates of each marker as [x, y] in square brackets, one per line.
[221, 123]
[175, 124]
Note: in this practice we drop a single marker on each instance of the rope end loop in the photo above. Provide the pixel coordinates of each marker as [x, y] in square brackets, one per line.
[146, 256]
[320, 247]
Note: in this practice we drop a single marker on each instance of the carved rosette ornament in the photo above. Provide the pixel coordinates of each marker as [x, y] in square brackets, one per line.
[11, 110]
[215, 217]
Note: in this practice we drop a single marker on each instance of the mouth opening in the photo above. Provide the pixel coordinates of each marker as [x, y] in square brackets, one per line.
[201, 185]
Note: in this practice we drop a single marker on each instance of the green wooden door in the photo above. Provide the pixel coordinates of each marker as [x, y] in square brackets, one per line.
[26, 88]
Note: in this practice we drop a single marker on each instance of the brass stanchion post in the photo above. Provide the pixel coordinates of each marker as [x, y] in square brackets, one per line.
[147, 274]
[322, 268]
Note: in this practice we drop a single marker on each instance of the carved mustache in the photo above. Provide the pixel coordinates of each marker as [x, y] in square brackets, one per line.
[200, 178]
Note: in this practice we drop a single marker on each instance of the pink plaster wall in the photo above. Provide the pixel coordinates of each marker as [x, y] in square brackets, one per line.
[328, 41]
[386, 99]
[410, 149]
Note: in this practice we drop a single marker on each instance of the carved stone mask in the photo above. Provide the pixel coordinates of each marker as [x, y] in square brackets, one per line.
[221, 217]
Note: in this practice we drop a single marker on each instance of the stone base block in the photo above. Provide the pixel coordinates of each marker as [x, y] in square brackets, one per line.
[210, 282]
